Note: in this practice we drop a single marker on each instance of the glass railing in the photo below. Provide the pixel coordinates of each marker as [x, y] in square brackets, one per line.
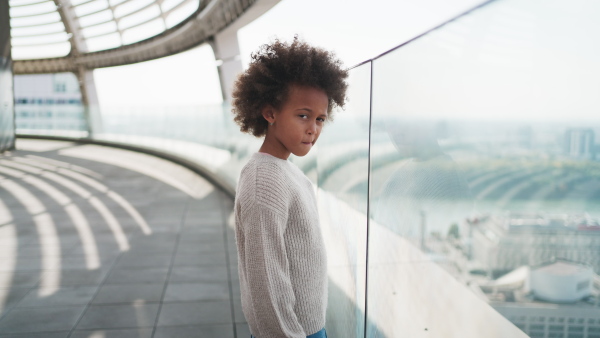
[459, 191]
[496, 184]
[7, 122]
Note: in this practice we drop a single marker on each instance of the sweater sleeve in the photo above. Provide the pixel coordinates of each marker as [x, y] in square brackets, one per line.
[267, 270]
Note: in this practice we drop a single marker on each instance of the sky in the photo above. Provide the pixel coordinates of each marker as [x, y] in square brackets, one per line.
[523, 60]
[354, 30]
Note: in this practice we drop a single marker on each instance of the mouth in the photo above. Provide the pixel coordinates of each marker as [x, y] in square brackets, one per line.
[308, 143]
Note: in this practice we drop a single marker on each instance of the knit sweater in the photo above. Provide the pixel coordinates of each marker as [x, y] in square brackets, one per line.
[282, 261]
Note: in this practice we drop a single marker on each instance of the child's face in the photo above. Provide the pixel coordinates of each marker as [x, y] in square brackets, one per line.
[297, 125]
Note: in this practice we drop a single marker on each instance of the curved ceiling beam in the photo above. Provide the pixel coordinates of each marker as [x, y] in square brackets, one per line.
[69, 19]
[211, 17]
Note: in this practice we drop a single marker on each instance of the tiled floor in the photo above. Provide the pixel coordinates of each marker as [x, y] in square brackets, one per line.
[102, 242]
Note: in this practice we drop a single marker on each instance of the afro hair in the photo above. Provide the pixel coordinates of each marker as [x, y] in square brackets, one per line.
[276, 66]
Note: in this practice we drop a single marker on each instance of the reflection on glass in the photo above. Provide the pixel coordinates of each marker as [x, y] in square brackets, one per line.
[342, 174]
[423, 192]
[485, 177]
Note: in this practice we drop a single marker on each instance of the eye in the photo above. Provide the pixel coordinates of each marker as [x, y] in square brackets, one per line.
[303, 116]
[320, 119]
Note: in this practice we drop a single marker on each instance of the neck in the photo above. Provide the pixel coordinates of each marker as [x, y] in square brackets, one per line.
[273, 147]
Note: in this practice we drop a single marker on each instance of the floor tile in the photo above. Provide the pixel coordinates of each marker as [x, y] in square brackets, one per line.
[117, 333]
[242, 330]
[152, 244]
[62, 334]
[198, 274]
[144, 260]
[209, 258]
[208, 219]
[119, 316]
[195, 313]
[202, 230]
[238, 314]
[24, 264]
[196, 291]
[41, 319]
[129, 293]
[235, 289]
[199, 248]
[143, 275]
[79, 263]
[11, 297]
[80, 277]
[72, 277]
[72, 295]
[203, 331]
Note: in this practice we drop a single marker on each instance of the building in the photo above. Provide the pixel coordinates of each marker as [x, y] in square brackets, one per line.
[579, 143]
[503, 243]
[49, 102]
[555, 299]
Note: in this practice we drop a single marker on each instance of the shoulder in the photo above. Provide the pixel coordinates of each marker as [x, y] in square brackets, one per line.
[246, 185]
[273, 184]
[261, 170]
[267, 182]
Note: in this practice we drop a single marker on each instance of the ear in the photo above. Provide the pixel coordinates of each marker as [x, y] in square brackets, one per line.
[268, 112]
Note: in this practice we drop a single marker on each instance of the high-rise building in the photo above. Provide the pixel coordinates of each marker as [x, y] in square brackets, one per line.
[49, 102]
[503, 243]
[579, 143]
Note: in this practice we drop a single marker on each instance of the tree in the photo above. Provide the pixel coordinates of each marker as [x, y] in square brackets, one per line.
[454, 232]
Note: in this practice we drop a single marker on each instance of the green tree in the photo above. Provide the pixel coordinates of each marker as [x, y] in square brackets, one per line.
[454, 232]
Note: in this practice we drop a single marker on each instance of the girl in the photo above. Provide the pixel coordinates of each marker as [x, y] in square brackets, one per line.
[286, 95]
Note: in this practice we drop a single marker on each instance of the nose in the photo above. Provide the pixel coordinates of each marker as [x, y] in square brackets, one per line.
[312, 128]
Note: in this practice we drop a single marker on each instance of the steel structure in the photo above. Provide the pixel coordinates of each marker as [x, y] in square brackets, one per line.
[211, 17]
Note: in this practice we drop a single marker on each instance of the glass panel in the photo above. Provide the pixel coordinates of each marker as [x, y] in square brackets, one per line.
[342, 166]
[144, 31]
[167, 5]
[47, 39]
[96, 18]
[338, 166]
[56, 49]
[33, 9]
[49, 104]
[42, 29]
[485, 181]
[35, 20]
[91, 7]
[131, 7]
[139, 17]
[105, 28]
[7, 113]
[104, 42]
[182, 12]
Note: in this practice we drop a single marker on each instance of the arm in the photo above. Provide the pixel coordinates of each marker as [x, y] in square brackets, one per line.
[271, 293]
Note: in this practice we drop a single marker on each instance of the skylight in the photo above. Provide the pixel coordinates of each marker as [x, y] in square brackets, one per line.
[41, 29]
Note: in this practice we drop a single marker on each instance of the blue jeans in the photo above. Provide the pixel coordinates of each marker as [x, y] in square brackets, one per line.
[320, 334]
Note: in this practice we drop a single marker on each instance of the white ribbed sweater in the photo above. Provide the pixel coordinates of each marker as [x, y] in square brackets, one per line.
[282, 261]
